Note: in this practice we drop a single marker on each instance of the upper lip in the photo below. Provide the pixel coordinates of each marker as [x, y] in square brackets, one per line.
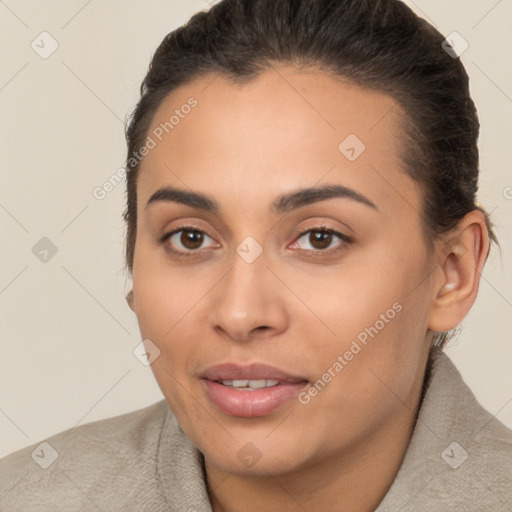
[255, 371]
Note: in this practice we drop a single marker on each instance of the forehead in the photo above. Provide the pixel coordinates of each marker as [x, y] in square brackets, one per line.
[286, 128]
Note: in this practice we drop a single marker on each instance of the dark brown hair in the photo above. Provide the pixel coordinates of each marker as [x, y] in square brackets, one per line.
[377, 44]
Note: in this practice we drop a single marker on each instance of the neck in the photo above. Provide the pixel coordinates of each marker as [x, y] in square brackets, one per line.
[354, 480]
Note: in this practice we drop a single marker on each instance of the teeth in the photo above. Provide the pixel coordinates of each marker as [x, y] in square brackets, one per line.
[258, 384]
[251, 384]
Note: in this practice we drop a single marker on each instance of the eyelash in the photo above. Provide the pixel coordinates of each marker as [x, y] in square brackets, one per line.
[191, 253]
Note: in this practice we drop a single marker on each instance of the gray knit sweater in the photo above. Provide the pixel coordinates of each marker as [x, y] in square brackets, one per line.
[459, 459]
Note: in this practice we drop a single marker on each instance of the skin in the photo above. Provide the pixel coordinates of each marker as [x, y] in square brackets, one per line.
[294, 307]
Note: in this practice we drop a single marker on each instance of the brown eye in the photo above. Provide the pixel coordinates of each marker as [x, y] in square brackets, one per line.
[191, 239]
[186, 241]
[320, 239]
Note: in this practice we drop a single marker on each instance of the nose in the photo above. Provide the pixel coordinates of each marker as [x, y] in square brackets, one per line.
[249, 302]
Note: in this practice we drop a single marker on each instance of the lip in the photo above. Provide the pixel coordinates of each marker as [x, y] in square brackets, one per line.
[250, 403]
[254, 371]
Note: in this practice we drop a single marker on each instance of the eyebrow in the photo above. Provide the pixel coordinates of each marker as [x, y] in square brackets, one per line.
[282, 204]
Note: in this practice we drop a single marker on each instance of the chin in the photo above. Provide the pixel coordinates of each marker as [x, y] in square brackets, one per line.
[275, 465]
[255, 455]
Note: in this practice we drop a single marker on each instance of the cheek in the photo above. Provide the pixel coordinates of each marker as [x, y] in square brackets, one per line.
[164, 295]
[377, 312]
[163, 315]
[161, 307]
[352, 299]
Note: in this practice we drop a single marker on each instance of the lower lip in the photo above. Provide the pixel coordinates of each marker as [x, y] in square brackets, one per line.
[251, 404]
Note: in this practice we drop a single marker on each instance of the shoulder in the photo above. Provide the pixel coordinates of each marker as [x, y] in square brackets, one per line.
[459, 456]
[109, 458]
[478, 451]
[454, 410]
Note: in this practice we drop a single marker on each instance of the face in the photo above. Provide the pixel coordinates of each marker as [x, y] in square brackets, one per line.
[290, 299]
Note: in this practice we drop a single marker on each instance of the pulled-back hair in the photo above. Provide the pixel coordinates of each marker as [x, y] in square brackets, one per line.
[377, 44]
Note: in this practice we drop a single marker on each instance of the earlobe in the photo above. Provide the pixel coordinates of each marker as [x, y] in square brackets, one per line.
[461, 261]
[130, 300]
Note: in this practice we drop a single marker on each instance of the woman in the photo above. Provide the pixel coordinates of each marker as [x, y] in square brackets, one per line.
[303, 235]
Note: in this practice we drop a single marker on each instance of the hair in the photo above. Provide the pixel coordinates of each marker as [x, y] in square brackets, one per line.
[377, 44]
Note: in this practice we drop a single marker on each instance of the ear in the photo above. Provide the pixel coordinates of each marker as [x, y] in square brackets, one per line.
[130, 299]
[461, 259]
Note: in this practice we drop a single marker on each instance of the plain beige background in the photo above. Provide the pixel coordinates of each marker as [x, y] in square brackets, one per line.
[67, 334]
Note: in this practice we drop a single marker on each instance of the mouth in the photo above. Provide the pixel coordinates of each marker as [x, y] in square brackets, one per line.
[249, 385]
[250, 391]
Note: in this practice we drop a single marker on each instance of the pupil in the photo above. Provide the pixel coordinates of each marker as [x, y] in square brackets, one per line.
[191, 239]
[321, 239]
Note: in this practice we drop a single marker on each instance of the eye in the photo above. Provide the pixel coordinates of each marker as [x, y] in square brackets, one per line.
[320, 239]
[187, 239]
